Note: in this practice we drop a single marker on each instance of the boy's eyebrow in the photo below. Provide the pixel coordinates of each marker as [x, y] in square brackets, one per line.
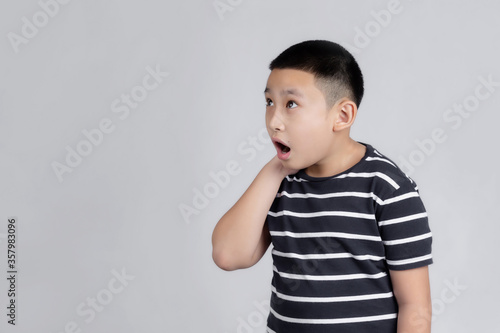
[289, 91]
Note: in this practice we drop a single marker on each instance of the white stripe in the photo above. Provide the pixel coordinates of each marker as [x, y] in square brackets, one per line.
[348, 194]
[379, 159]
[409, 261]
[326, 195]
[403, 219]
[325, 213]
[335, 320]
[409, 239]
[295, 179]
[400, 198]
[329, 277]
[371, 174]
[331, 195]
[376, 152]
[324, 234]
[331, 299]
[270, 330]
[377, 199]
[326, 256]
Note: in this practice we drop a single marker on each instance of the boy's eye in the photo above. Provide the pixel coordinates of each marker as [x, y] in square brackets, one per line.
[269, 102]
[291, 102]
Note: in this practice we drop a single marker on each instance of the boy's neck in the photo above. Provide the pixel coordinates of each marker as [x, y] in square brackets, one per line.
[344, 155]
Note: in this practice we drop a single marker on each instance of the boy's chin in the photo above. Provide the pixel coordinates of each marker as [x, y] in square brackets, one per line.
[290, 164]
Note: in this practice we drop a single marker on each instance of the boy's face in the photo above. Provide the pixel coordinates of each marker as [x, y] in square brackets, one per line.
[297, 116]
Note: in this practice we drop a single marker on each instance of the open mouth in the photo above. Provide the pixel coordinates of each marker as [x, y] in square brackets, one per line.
[284, 149]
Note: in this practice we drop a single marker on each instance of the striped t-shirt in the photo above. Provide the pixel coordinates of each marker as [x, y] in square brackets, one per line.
[335, 240]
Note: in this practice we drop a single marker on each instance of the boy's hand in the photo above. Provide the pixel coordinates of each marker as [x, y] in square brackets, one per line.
[279, 167]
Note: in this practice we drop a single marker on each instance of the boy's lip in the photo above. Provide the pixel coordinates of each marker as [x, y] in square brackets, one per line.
[281, 154]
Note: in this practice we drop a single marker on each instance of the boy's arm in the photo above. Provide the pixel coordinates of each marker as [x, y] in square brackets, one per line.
[412, 291]
[241, 236]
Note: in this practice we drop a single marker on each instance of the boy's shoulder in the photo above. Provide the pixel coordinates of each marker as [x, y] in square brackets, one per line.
[385, 171]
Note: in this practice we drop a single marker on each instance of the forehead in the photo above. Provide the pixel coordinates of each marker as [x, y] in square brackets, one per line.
[291, 82]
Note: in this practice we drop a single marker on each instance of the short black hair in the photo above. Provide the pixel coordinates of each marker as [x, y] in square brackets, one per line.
[336, 71]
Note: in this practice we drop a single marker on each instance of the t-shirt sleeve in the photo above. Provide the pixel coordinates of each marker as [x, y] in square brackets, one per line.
[404, 228]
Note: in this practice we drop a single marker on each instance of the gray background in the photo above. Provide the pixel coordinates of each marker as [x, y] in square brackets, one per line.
[119, 210]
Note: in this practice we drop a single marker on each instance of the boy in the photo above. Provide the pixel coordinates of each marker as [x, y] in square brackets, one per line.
[351, 240]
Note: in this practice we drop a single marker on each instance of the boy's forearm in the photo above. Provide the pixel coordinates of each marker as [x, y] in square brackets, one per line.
[237, 235]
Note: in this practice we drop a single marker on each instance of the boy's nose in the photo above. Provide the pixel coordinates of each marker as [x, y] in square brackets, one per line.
[275, 122]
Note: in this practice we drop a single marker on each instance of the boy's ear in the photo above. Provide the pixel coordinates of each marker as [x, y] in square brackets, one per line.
[345, 114]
